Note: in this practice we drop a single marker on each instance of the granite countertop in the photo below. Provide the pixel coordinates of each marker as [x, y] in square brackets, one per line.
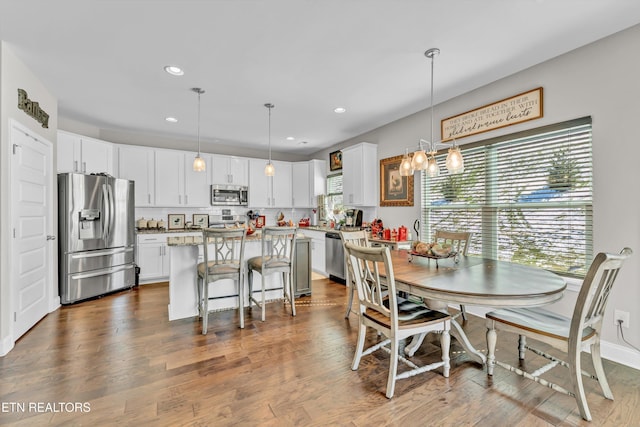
[197, 240]
[165, 231]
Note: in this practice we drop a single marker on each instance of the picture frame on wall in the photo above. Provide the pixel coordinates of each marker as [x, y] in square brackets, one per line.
[175, 222]
[201, 220]
[335, 160]
[395, 190]
[260, 221]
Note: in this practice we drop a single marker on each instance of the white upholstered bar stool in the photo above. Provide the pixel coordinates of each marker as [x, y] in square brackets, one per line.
[278, 252]
[223, 259]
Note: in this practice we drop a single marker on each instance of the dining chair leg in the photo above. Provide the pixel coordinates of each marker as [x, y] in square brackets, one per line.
[241, 299]
[463, 310]
[199, 286]
[292, 298]
[522, 346]
[263, 298]
[362, 332]
[250, 286]
[205, 308]
[578, 388]
[393, 368]
[350, 302]
[597, 366]
[492, 338]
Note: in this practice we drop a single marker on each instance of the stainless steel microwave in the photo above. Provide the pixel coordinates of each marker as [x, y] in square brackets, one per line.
[229, 195]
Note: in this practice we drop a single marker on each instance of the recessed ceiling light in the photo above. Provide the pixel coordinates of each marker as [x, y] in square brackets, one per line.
[290, 138]
[173, 70]
[171, 120]
[339, 110]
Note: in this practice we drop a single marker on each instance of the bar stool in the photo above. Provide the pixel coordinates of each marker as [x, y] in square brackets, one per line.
[223, 259]
[278, 251]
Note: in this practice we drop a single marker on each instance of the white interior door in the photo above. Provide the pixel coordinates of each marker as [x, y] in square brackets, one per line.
[32, 223]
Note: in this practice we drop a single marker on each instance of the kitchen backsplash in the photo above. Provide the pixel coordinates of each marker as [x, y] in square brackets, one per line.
[270, 214]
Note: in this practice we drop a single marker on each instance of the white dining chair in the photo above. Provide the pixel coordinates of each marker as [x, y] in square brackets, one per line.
[460, 243]
[391, 316]
[358, 238]
[569, 335]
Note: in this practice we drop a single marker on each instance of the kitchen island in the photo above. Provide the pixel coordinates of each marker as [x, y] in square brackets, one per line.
[187, 251]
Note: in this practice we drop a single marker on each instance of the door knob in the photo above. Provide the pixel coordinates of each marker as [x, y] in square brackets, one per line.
[51, 237]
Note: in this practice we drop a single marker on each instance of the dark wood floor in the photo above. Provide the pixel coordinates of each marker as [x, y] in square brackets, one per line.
[123, 363]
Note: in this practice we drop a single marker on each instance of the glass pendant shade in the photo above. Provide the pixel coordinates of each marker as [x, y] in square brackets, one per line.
[455, 162]
[199, 164]
[405, 166]
[269, 170]
[433, 169]
[419, 161]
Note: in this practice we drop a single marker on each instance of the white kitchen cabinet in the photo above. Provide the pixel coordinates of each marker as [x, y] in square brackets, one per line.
[154, 257]
[360, 175]
[230, 170]
[177, 184]
[269, 192]
[318, 247]
[81, 154]
[281, 186]
[308, 181]
[137, 164]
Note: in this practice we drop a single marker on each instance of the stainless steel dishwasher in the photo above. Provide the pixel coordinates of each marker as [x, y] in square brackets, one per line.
[334, 257]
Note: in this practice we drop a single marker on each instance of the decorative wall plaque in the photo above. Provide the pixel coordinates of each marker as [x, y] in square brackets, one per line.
[32, 108]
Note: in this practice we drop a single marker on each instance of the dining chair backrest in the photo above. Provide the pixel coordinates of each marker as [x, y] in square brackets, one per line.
[458, 239]
[223, 251]
[594, 294]
[373, 291]
[278, 248]
[357, 238]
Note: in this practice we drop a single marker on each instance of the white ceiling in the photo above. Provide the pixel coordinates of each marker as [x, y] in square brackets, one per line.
[104, 59]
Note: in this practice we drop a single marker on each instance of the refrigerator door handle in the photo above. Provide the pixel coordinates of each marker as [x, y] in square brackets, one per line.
[105, 212]
[101, 272]
[112, 208]
[99, 253]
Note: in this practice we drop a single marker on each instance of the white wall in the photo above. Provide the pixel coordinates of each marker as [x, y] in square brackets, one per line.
[601, 80]
[14, 75]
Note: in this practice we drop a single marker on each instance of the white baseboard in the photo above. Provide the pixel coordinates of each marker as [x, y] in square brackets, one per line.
[611, 351]
[6, 345]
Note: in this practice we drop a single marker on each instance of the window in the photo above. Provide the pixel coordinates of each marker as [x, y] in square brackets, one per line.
[333, 201]
[527, 198]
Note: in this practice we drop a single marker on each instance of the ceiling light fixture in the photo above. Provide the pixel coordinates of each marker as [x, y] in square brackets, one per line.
[269, 170]
[290, 138]
[171, 119]
[199, 164]
[173, 70]
[339, 110]
[422, 160]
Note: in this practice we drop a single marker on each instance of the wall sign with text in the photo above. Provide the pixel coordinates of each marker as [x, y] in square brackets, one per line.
[32, 108]
[510, 111]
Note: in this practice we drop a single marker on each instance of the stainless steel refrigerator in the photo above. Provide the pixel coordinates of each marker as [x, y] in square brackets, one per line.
[96, 235]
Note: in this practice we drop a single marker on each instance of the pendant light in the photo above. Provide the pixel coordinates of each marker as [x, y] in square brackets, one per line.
[199, 164]
[269, 169]
[455, 161]
[406, 169]
[432, 167]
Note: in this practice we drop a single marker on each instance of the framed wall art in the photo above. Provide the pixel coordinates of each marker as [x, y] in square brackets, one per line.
[335, 160]
[176, 222]
[395, 190]
[201, 220]
[260, 221]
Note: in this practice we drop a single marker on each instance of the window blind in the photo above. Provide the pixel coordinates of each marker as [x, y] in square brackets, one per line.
[333, 201]
[527, 198]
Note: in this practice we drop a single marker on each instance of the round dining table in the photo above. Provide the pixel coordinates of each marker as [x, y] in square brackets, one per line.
[476, 281]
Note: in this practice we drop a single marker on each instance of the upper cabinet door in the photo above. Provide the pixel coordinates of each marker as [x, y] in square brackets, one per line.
[281, 195]
[359, 175]
[137, 164]
[301, 185]
[68, 150]
[169, 178]
[197, 185]
[230, 170]
[259, 184]
[97, 156]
